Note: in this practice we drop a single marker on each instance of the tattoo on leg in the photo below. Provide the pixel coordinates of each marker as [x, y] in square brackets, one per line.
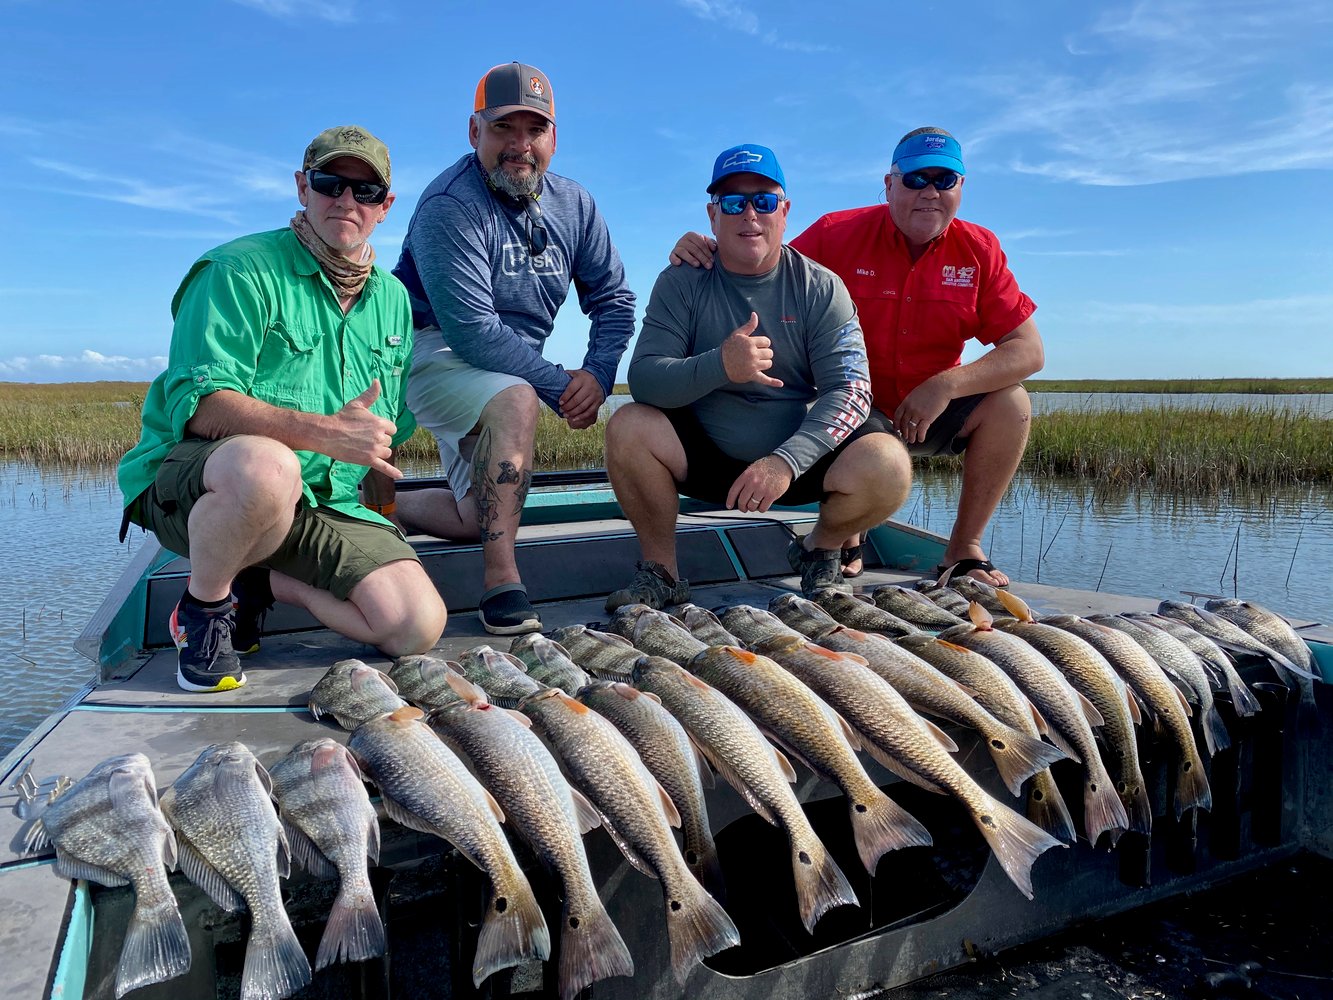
[521, 494]
[508, 474]
[488, 499]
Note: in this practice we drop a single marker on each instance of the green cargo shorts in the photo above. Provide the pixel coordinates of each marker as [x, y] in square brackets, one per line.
[325, 548]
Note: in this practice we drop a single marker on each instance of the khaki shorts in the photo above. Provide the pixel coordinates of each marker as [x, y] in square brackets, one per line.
[325, 548]
[447, 395]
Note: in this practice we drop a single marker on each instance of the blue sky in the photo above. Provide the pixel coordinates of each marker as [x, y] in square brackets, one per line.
[1158, 172]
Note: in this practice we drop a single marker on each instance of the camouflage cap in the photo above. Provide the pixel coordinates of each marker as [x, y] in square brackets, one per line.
[348, 140]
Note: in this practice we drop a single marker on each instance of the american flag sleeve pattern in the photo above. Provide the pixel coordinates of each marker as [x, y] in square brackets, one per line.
[842, 375]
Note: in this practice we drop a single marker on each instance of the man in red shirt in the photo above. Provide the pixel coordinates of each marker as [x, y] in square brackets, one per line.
[924, 282]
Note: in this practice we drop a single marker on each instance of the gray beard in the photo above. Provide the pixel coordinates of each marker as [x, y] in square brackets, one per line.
[517, 187]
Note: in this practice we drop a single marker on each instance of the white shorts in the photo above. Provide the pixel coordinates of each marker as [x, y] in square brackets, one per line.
[447, 395]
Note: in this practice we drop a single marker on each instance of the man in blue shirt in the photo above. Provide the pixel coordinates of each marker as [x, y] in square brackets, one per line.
[488, 260]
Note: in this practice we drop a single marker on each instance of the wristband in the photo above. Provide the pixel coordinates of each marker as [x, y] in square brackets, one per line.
[384, 509]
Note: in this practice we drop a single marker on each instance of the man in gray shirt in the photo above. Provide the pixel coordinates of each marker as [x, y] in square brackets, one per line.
[751, 388]
[489, 256]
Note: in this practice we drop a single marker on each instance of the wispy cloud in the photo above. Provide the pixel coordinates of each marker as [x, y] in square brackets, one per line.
[1251, 315]
[190, 199]
[85, 366]
[1072, 253]
[335, 11]
[1036, 234]
[734, 15]
[1170, 90]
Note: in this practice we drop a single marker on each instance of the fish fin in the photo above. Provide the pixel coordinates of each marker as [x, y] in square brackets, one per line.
[880, 825]
[1102, 808]
[38, 837]
[941, 737]
[591, 949]
[820, 883]
[354, 931]
[1046, 807]
[1137, 806]
[585, 812]
[1063, 745]
[471, 693]
[275, 965]
[853, 737]
[518, 716]
[1018, 756]
[668, 806]
[495, 806]
[1242, 698]
[168, 847]
[787, 752]
[1015, 605]
[388, 681]
[512, 932]
[733, 777]
[156, 947]
[1192, 791]
[697, 927]
[784, 765]
[1090, 711]
[1132, 706]
[881, 756]
[701, 763]
[283, 855]
[1038, 720]
[262, 774]
[207, 878]
[700, 853]
[631, 855]
[305, 852]
[1016, 842]
[373, 839]
[1184, 702]
[1215, 734]
[403, 816]
[68, 866]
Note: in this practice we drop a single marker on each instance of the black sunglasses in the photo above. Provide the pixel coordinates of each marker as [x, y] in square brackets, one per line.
[536, 228]
[764, 202]
[917, 180]
[333, 185]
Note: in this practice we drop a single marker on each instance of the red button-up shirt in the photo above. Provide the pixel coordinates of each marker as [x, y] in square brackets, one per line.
[917, 315]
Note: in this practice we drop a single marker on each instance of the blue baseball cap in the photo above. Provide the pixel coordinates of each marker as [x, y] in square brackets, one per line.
[747, 158]
[928, 149]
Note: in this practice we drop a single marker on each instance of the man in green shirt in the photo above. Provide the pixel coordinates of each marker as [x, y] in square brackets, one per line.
[285, 383]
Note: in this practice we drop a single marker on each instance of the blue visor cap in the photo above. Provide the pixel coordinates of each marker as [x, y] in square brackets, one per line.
[929, 149]
[747, 158]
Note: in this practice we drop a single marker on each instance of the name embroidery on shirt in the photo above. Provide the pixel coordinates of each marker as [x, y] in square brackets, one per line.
[952, 276]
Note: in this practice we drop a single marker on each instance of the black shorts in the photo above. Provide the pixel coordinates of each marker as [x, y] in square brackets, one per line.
[943, 439]
[710, 472]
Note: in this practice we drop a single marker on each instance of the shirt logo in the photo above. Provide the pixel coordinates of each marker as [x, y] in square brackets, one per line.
[518, 261]
[395, 340]
[741, 158]
[952, 276]
[536, 86]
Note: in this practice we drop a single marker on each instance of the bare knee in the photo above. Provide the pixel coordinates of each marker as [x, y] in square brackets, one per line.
[255, 473]
[877, 467]
[513, 409]
[1010, 405]
[401, 606]
[630, 427]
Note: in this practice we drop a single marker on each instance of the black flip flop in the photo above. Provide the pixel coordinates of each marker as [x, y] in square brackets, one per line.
[850, 555]
[962, 567]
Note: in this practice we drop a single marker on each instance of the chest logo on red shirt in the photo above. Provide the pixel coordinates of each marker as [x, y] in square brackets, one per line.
[952, 276]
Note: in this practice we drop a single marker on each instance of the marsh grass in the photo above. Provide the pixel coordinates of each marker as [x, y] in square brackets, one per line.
[1184, 450]
[1254, 386]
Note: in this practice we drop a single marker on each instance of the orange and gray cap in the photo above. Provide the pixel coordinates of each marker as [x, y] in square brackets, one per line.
[512, 87]
[348, 140]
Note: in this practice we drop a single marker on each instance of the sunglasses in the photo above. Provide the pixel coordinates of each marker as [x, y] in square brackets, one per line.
[765, 202]
[332, 186]
[918, 181]
[535, 226]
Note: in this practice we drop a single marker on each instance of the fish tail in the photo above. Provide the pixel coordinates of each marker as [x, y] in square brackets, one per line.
[702, 860]
[1102, 809]
[1242, 698]
[275, 965]
[1046, 807]
[1307, 710]
[156, 946]
[1137, 805]
[1215, 735]
[881, 825]
[591, 949]
[354, 931]
[1019, 756]
[513, 932]
[697, 927]
[1192, 791]
[1016, 842]
[820, 883]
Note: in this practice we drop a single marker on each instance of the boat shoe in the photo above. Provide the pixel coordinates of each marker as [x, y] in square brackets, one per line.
[820, 569]
[506, 610]
[205, 659]
[652, 585]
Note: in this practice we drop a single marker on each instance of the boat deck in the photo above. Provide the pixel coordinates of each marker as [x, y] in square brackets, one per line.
[920, 913]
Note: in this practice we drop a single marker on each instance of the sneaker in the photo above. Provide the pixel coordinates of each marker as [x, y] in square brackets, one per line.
[506, 610]
[652, 585]
[252, 599]
[820, 569]
[205, 660]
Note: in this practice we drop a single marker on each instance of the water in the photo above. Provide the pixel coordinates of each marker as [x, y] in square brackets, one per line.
[1275, 547]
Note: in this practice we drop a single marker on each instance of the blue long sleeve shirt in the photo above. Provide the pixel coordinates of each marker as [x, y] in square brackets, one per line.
[468, 270]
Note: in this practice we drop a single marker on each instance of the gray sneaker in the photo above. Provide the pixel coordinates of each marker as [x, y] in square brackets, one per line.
[820, 569]
[652, 585]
